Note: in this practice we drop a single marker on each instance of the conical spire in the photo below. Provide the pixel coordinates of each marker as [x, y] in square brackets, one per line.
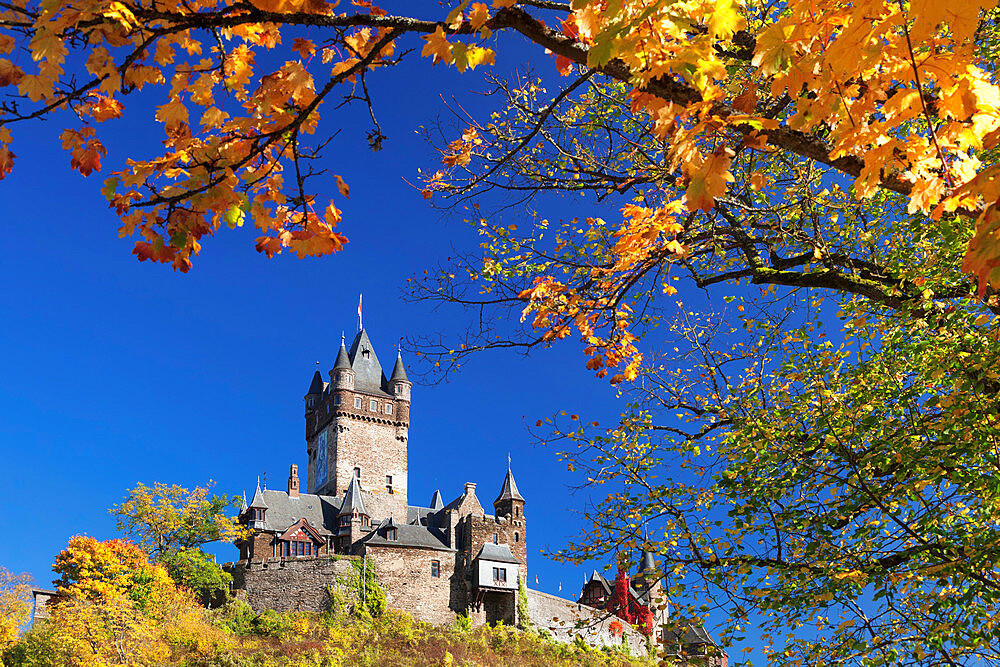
[243, 506]
[258, 498]
[647, 564]
[509, 490]
[437, 502]
[399, 371]
[353, 502]
[343, 360]
[316, 386]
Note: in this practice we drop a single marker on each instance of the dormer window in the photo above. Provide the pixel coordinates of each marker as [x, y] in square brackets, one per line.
[258, 514]
[390, 534]
[366, 353]
[345, 521]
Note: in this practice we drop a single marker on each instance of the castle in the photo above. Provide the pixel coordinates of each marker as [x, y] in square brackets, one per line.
[433, 561]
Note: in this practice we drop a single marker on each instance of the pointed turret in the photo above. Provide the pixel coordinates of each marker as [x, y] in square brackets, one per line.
[509, 502]
[399, 386]
[437, 502]
[399, 371]
[258, 509]
[647, 564]
[353, 503]
[343, 361]
[315, 393]
[509, 490]
[342, 376]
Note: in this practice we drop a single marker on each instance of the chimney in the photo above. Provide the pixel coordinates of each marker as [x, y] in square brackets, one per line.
[470, 488]
[293, 482]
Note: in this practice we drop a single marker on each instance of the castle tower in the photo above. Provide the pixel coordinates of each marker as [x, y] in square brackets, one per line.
[359, 430]
[510, 506]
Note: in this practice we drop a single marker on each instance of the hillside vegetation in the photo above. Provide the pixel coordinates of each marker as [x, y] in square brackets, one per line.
[94, 635]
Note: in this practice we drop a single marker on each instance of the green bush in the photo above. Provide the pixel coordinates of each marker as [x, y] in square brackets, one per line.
[237, 617]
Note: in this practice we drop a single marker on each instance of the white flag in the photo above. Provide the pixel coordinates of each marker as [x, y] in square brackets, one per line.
[360, 326]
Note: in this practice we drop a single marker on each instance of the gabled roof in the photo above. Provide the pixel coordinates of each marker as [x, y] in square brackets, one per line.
[498, 553]
[343, 361]
[437, 502]
[284, 511]
[306, 527]
[509, 490]
[398, 371]
[368, 376]
[353, 502]
[316, 386]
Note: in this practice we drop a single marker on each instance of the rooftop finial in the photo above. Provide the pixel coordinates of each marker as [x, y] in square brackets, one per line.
[341, 337]
[508, 461]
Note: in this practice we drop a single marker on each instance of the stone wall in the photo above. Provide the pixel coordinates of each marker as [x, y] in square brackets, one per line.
[405, 575]
[565, 620]
[480, 530]
[294, 584]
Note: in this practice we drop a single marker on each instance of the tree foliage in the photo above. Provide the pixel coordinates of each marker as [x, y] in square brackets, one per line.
[167, 519]
[821, 179]
[15, 605]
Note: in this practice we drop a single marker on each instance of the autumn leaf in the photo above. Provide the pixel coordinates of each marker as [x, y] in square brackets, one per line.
[708, 182]
[343, 187]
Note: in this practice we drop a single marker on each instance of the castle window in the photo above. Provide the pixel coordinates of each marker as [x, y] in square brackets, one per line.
[373, 406]
[336, 400]
[500, 575]
[517, 538]
[357, 473]
[517, 511]
[390, 534]
[365, 522]
[258, 515]
[357, 402]
[310, 402]
[496, 538]
[399, 389]
[388, 408]
[388, 483]
[435, 568]
[345, 521]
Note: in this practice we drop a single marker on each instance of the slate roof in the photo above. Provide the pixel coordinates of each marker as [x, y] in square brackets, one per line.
[499, 553]
[422, 537]
[693, 634]
[343, 361]
[437, 502]
[353, 503]
[282, 511]
[316, 386]
[647, 563]
[258, 499]
[398, 371]
[368, 376]
[420, 515]
[509, 490]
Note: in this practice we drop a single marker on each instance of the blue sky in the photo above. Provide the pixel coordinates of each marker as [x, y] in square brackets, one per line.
[116, 372]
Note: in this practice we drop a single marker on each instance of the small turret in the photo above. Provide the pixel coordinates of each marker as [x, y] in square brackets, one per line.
[509, 502]
[257, 509]
[342, 374]
[399, 384]
[293, 481]
[437, 502]
[315, 393]
[353, 519]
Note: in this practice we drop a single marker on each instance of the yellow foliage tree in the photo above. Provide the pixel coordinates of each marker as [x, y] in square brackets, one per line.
[15, 605]
[169, 518]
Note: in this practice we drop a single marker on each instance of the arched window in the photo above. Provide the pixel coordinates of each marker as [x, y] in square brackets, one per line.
[517, 538]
